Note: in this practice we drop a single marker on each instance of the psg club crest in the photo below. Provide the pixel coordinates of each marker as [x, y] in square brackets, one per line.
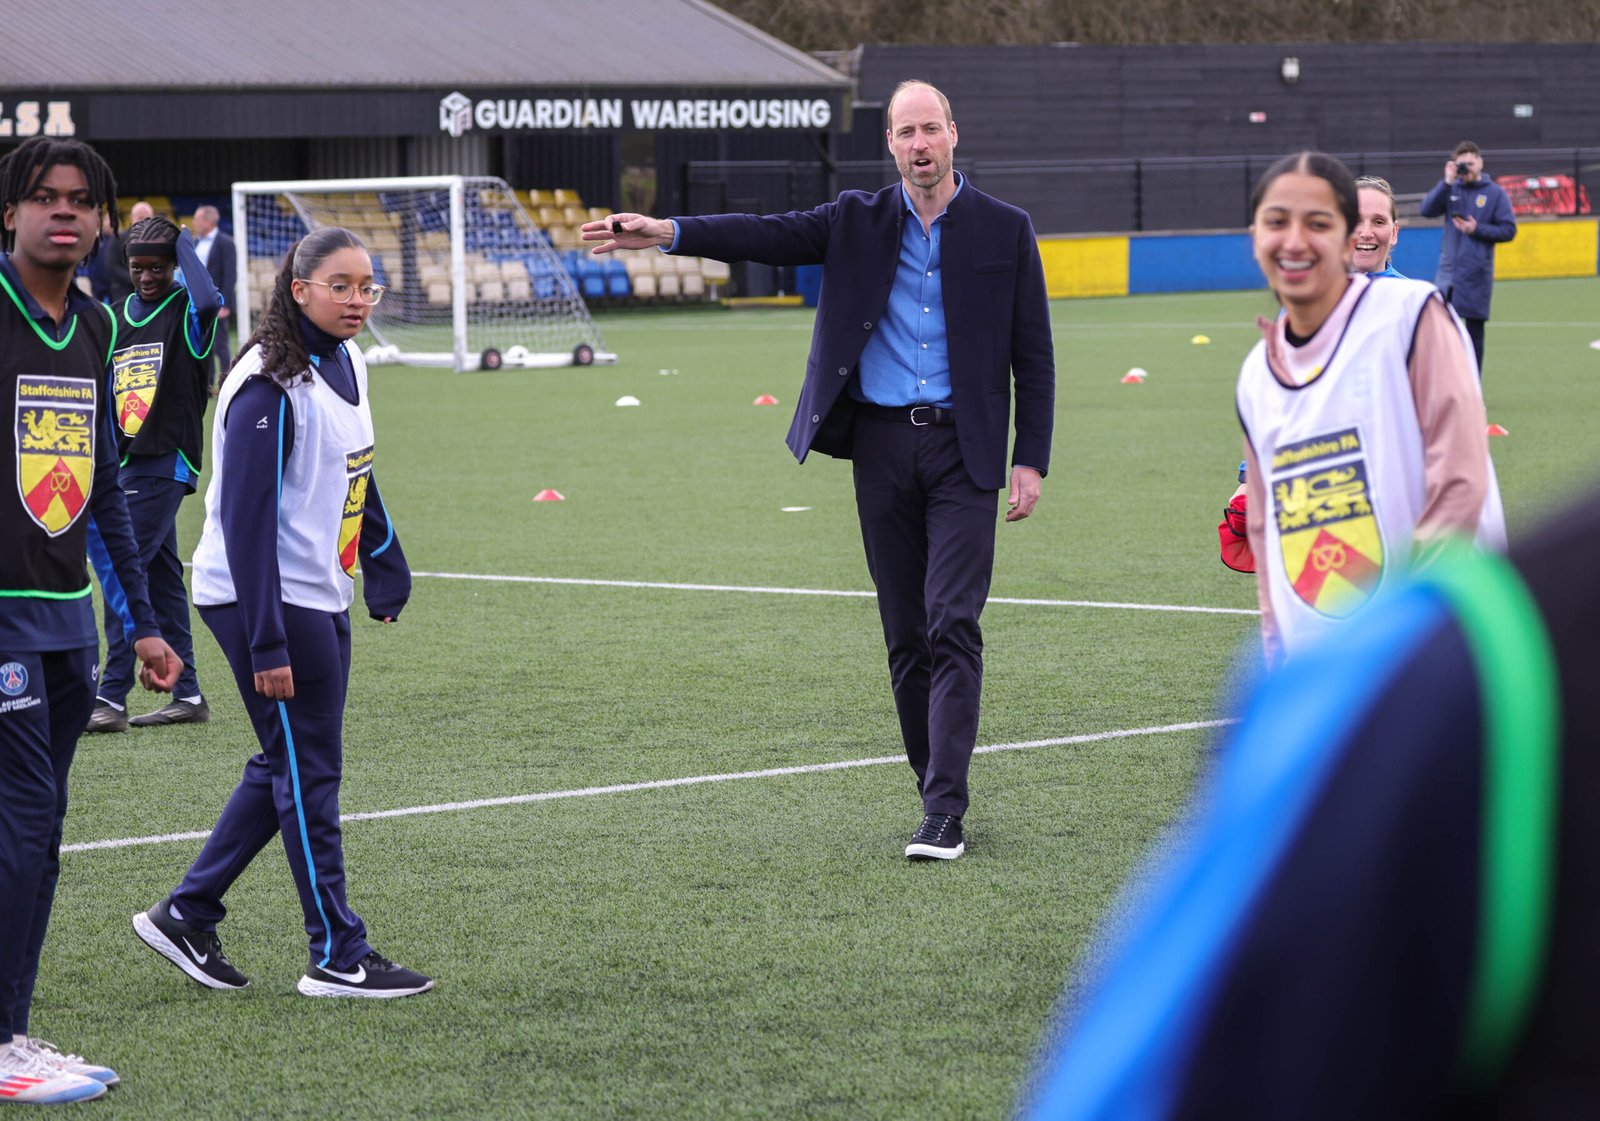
[13, 678]
[358, 469]
[135, 370]
[1332, 549]
[55, 448]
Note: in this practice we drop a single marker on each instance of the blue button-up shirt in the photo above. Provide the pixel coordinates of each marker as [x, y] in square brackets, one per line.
[907, 359]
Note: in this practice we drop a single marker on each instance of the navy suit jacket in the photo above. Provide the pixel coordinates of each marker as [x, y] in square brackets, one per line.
[223, 267]
[997, 317]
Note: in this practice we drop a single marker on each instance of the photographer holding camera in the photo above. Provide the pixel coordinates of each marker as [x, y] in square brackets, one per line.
[1477, 216]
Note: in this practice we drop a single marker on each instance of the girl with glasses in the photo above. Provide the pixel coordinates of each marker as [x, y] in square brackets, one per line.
[292, 456]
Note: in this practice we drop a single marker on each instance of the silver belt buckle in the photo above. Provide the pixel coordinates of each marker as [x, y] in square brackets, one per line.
[919, 423]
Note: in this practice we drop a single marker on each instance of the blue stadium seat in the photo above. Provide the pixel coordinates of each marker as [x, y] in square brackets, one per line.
[618, 286]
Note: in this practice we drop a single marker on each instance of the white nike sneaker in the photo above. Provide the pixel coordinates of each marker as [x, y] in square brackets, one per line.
[73, 1064]
[26, 1076]
[372, 976]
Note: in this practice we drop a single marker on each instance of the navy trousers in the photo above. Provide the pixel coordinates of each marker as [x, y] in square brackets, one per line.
[45, 700]
[1475, 333]
[929, 536]
[290, 787]
[153, 506]
[220, 358]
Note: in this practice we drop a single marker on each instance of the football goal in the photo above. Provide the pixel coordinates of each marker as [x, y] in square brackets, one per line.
[471, 281]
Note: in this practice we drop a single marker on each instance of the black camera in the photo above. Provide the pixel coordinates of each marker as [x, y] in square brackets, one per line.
[1463, 168]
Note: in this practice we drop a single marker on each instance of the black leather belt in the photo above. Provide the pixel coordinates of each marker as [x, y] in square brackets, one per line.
[919, 415]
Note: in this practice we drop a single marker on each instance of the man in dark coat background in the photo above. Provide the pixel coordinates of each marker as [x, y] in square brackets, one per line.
[216, 249]
[1478, 217]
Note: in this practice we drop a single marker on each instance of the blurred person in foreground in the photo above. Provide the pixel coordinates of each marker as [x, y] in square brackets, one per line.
[1388, 900]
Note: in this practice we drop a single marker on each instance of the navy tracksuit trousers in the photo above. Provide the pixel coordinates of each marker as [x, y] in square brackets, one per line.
[290, 787]
[153, 507]
[45, 700]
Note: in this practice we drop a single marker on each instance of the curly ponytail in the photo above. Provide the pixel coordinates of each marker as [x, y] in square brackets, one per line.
[283, 348]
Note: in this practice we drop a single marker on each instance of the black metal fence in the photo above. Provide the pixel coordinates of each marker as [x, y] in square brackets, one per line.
[1127, 195]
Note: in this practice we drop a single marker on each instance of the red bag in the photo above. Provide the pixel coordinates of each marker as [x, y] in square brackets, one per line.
[1233, 537]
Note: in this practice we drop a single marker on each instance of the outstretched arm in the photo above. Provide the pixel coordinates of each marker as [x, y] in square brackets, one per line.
[630, 231]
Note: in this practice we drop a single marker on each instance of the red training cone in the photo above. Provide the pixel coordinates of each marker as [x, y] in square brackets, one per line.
[548, 495]
[1132, 379]
[765, 399]
[1496, 430]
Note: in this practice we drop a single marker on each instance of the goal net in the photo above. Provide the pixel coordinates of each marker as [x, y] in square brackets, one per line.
[471, 281]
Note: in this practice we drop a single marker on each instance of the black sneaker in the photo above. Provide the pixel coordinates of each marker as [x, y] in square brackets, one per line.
[373, 976]
[937, 838]
[197, 952]
[175, 712]
[106, 717]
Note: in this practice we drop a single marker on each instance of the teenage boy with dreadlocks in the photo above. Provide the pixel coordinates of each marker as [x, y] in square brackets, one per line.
[55, 346]
[165, 329]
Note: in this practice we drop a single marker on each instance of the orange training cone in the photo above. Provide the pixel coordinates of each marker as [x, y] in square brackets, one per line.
[765, 399]
[548, 495]
[1496, 430]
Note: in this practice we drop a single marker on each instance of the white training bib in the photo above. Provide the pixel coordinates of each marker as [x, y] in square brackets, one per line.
[321, 495]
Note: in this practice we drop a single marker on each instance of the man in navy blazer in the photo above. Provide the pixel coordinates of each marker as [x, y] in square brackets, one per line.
[216, 249]
[933, 306]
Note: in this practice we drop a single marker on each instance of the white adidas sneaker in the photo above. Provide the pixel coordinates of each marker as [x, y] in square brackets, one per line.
[27, 1077]
[73, 1064]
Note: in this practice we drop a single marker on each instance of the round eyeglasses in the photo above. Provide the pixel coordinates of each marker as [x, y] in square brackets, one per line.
[340, 292]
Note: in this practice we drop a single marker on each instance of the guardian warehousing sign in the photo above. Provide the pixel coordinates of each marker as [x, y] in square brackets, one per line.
[459, 114]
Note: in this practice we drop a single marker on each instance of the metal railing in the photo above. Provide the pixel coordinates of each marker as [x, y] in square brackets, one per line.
[1110, 195]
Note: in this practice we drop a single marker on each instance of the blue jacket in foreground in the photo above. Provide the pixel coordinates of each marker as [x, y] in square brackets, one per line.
[997, 317]
[1466, 261]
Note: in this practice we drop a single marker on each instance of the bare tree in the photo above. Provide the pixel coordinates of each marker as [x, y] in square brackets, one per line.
[842, 24]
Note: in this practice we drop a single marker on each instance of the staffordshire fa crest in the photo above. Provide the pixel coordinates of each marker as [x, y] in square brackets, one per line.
[135, 371]
[1327, 531]
[55, 448]
[358, 469]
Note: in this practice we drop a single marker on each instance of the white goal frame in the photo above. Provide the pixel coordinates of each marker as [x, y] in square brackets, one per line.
[461, 357]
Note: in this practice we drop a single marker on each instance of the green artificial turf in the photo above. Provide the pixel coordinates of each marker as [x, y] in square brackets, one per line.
[755, 947]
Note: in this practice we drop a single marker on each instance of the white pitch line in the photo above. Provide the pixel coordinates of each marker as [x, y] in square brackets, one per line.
[837, 592]
[665, 783]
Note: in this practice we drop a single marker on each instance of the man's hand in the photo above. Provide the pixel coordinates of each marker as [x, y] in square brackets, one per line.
[1450, 170]
[1024, 493]
[627, 231]
[276, 684]
[1465, 224]
[161, 667]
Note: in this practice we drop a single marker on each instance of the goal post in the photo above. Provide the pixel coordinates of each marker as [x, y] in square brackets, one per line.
[471, 280]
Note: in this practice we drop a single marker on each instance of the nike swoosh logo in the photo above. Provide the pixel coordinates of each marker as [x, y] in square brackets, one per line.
[355, 978]
[199, 958]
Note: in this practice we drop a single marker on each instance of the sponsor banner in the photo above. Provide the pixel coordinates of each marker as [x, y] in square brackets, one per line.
[55, 448]
[459, 113]
[358, 469]
[27, 117]
[135, 374]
